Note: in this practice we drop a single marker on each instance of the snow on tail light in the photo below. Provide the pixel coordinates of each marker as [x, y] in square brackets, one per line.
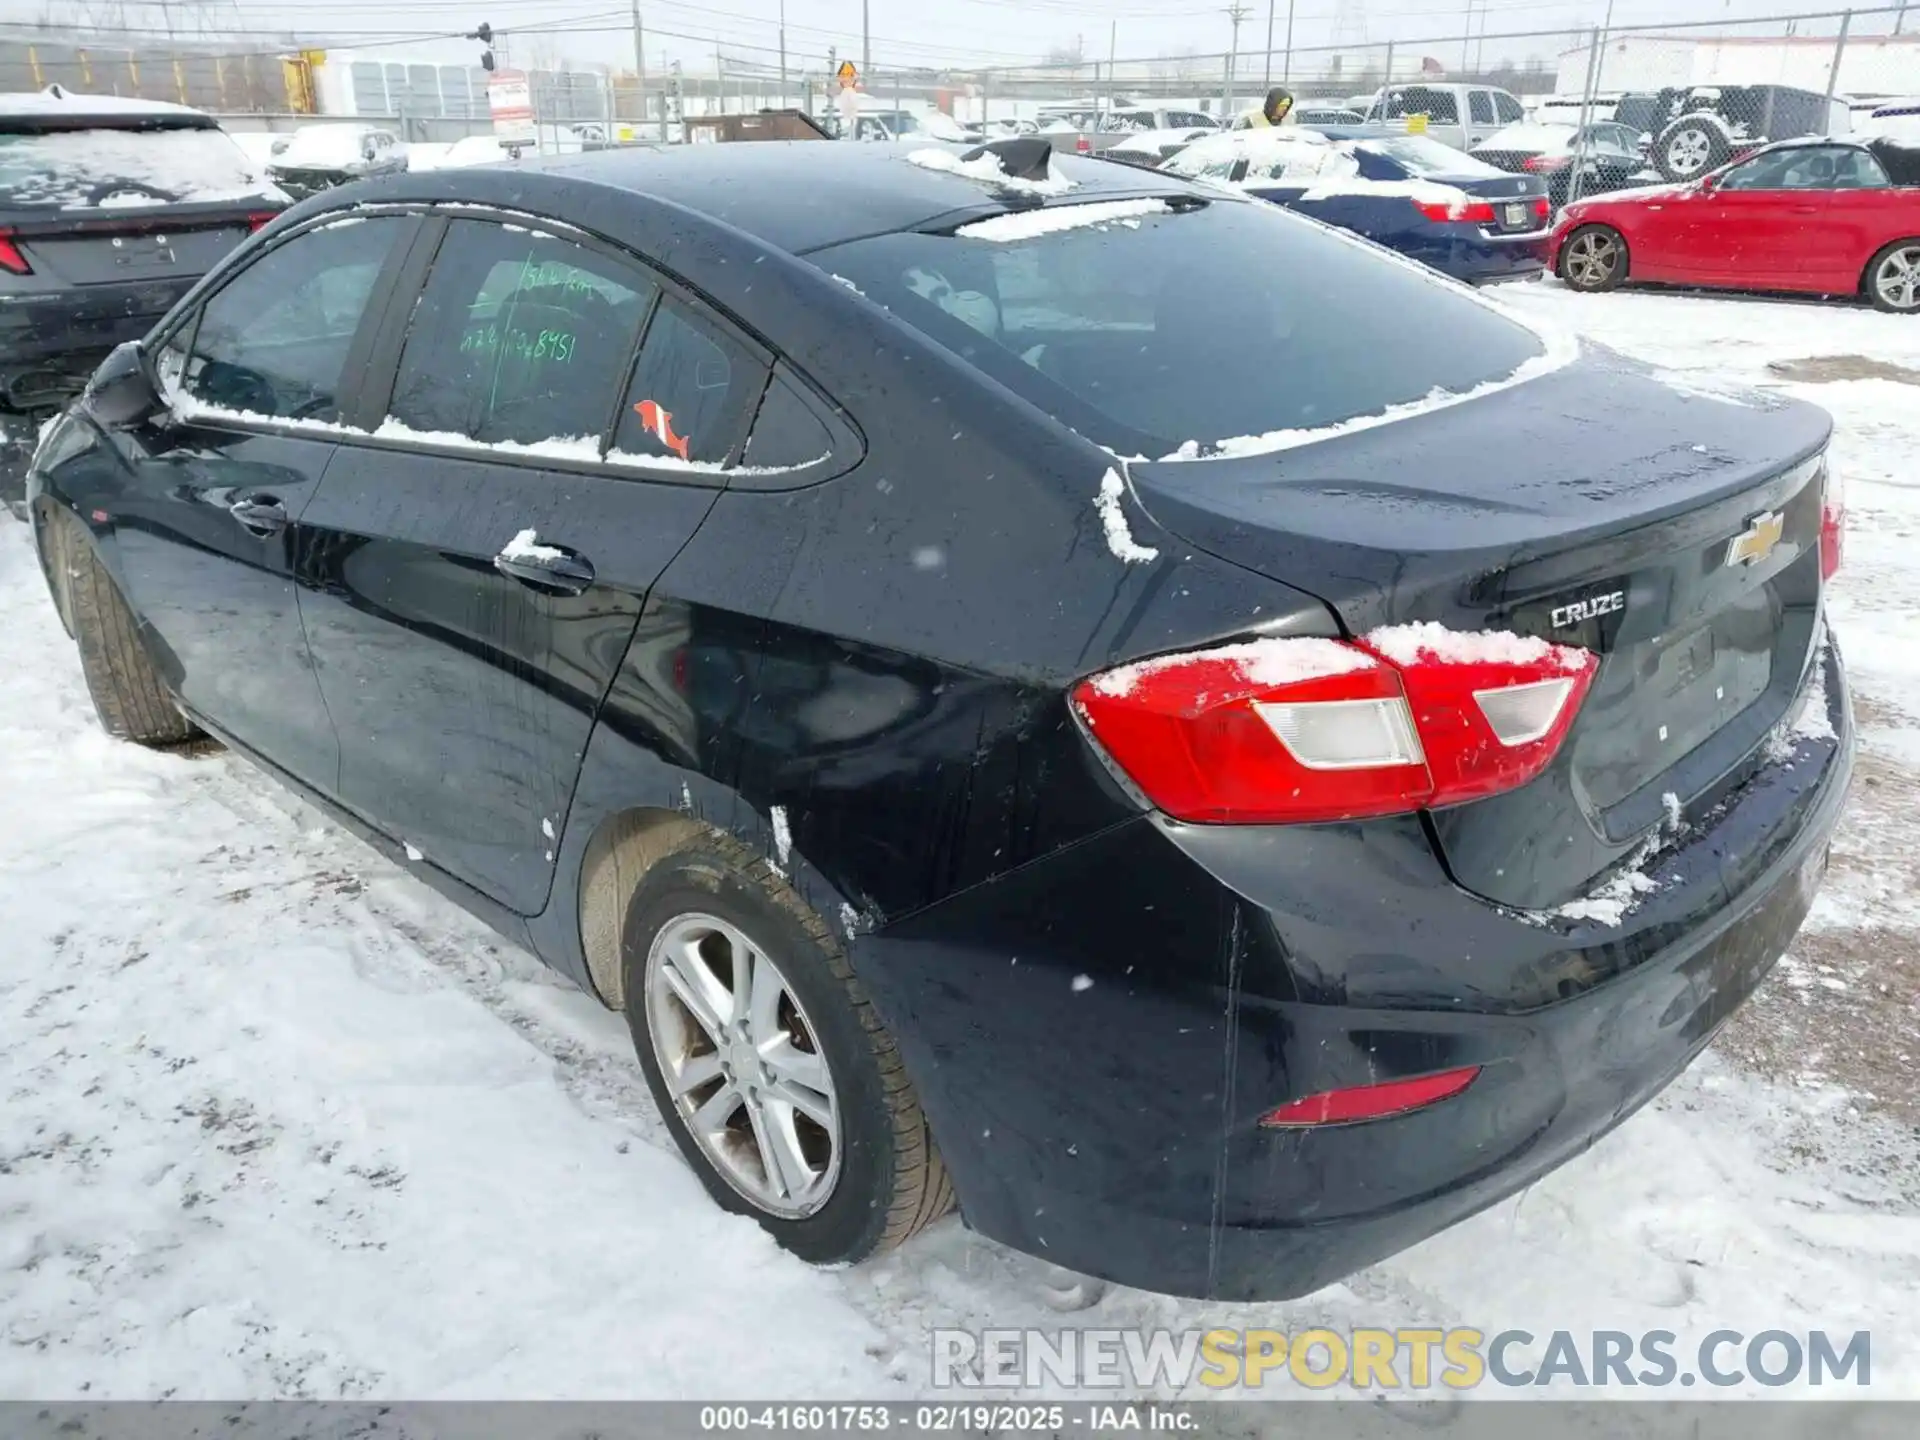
[1290, 731]
[260, 220]
[1370, 1102]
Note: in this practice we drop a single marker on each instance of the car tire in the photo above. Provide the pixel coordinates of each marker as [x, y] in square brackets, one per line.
[862, 1172]
[127, 694]
[1892, 279]
[1594, 259]
[1690, 147]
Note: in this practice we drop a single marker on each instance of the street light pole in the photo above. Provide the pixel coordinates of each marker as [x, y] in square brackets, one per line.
[1236, 13]
[1269, 71]
[1286, 68]
[866, 38]
[640, 70]
[783, 54]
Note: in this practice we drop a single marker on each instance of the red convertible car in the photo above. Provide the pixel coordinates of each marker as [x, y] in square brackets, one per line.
[1817, 216]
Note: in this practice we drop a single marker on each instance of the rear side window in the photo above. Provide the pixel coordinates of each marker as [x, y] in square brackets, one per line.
[690, 392]
[1480, 107]
[107, 168]
[1438, 106]
[786, 433]
[518, 337]
[1507, 108]
[1219, 320]
[274, 340]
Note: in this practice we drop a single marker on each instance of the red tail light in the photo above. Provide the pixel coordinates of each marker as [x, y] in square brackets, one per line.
[1082, 145]
[1476, 211]
[260, 219]
[1540, 163]
[1542, 207]
[1833, 526]
[11, 260]
[1293, 731]
[1370, 1102]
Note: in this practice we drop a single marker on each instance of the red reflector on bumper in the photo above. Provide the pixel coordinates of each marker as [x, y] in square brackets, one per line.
[1370, 1102]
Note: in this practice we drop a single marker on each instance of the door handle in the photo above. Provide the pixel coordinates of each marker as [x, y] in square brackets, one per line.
[546, 567]
[1806, 209]
[260, 515]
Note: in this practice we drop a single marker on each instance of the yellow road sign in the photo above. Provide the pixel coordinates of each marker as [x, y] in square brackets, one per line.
[848, 75]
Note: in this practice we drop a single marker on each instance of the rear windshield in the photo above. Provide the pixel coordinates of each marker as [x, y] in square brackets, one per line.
[105, 168]
[1213, 322]
[1430, 157]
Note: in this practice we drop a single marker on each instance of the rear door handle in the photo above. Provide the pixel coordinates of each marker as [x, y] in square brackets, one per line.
[260, 515]
[545, 567]
[1806, 209]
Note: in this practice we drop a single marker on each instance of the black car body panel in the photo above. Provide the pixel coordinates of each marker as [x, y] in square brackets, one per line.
[858, 666]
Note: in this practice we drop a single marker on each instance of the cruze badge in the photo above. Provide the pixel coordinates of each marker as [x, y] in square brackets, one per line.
[1588, 609]
[1756, 542]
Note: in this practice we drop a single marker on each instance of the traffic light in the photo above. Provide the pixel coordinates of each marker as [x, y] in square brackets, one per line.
[483, 32]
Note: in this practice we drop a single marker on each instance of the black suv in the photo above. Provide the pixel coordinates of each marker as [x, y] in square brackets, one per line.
[110, 209]
[1703, 128]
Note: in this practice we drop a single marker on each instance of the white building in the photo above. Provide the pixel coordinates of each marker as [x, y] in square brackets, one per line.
[1870, 65]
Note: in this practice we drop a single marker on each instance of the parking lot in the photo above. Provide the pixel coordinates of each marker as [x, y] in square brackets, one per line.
[281, 1122]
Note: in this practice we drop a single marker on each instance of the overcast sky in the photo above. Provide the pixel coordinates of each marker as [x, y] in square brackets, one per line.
[918, 32]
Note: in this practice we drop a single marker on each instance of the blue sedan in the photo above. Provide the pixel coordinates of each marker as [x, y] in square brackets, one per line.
[1406, 192]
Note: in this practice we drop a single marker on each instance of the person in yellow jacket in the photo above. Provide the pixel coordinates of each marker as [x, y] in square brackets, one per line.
[1278, 110]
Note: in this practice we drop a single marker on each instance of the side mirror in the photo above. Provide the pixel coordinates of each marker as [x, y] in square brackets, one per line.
[122, 392]
[1708, 184]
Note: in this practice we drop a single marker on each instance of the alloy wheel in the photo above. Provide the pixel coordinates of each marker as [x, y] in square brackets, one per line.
[1688, 152]
[1591, 259]
[740, 1058]
[1896, 280]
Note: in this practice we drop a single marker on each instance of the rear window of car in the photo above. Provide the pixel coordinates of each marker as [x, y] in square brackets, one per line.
[106, 167]
[1213, 321]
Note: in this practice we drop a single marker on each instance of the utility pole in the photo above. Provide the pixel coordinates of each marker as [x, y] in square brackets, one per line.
[1236, 13]
[866, 38]
[1286, 68]
[1466, 43]
[640, 71]
[1900, 20]
[1113, 51]
[783, 54]
[1268, 82]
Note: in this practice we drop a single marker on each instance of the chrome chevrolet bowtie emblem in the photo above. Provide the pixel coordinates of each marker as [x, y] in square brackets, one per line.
[1756, 542]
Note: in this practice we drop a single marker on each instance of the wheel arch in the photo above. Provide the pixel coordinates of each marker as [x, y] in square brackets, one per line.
[1866, 270]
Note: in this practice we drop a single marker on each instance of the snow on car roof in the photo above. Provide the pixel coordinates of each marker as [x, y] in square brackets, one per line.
[56, 100]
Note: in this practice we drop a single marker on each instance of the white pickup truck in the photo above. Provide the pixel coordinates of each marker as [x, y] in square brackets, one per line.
[1457, 115]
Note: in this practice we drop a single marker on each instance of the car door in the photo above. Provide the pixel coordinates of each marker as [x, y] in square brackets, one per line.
[1765, 224]
[208, 531]
[1864, 212]
[478, 568]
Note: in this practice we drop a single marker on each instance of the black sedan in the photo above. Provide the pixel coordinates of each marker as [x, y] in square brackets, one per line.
[1598, 157]
[1213, 870]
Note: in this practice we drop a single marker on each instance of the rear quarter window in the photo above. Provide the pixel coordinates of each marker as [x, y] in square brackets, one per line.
[1222, 320]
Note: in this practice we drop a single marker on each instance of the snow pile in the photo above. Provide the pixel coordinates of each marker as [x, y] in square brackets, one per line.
[526, 548]
[1276, 661]
[80, 169]
[1027, 224]
[1113, 520]
[1426, 640]
[987, 167]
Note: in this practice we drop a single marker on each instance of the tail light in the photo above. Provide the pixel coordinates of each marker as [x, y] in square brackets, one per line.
[1541, 163]
[1833, 525]
[11, 260]
[1082, 145]
[260, 219]
[1476, 211]
[1370, 1102]
[1288, 731]
[1542, 208]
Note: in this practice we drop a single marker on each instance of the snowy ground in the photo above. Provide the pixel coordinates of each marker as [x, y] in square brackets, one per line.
[279, 1122]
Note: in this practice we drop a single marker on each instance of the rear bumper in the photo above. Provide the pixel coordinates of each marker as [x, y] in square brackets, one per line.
[1096, 1037]
[50, 344]
[1496, 258]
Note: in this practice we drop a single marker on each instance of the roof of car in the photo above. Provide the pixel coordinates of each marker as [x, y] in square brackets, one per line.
[801, 195]
[57, 102]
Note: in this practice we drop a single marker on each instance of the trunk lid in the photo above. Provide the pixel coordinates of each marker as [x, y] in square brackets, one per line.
[133, 244]
[1593, 506]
